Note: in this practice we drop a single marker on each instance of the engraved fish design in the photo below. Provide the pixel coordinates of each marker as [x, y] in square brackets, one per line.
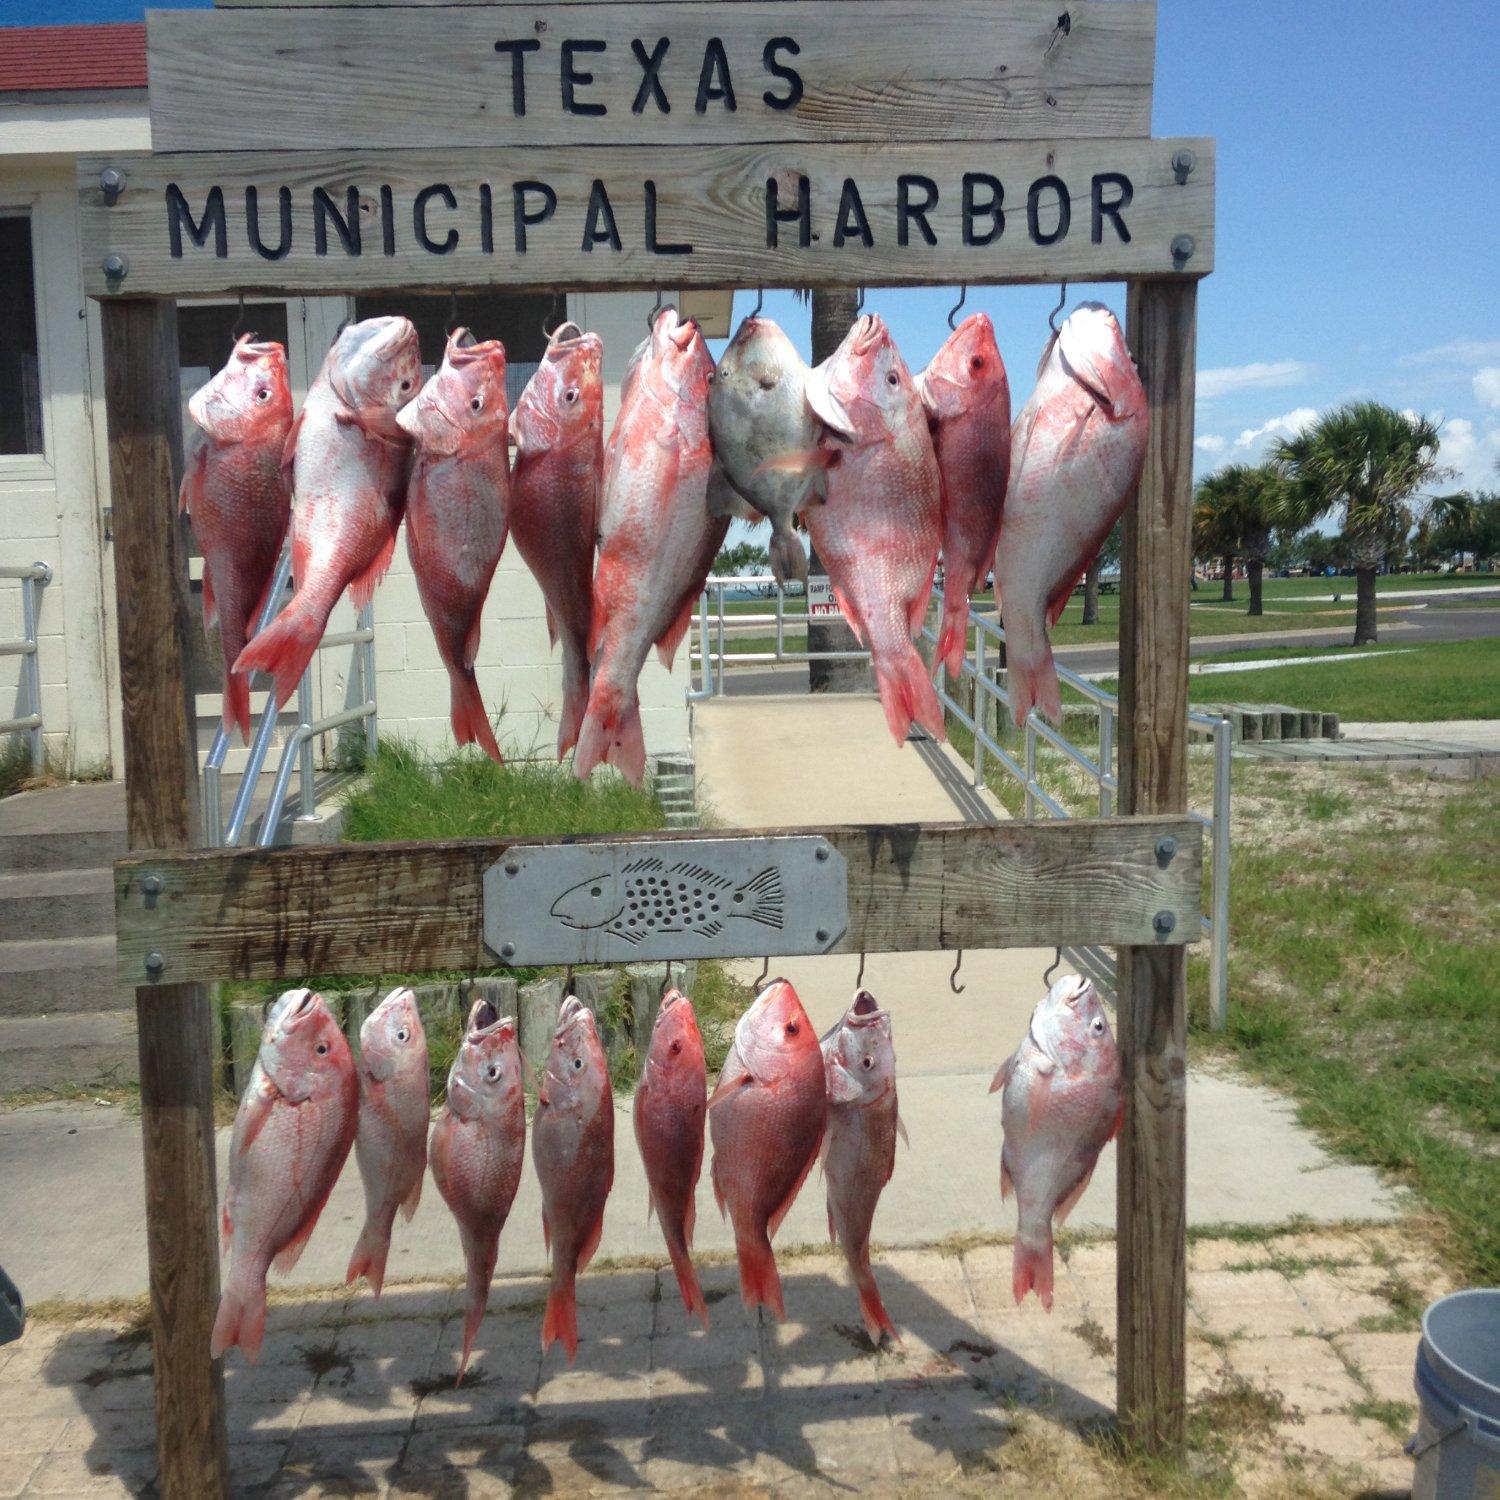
[651, 896]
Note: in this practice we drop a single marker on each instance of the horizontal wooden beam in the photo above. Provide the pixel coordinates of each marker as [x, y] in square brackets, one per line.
[670, 74]
[559, 218]
[410, 908]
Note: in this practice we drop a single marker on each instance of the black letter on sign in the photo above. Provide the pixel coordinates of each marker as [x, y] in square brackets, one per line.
[994, 207]
[449, 242]
[714, 81]
[776, 215]
[1113, 209]
[572, 76]
[486, 219]
[790, 76]
[252, 223]
[679, 249]
[179, 215]
[387, 220]
[518, 51]
[650, 70]
[600, 211]
[1033, 205]
[346, 225]
[518, 192]
[907, 211]
[851, 218]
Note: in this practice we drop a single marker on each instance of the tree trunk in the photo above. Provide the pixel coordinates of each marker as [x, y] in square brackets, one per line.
[1364, 608]
[1229, 578]
[1091, 592]
[1256, 570]
[833, 313]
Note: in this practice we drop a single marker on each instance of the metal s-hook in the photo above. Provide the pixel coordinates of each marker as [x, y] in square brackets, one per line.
[953, 983]
[452, 311]
[239, 322]
[859, 979]
[547, 317]
[651, 316]
[568, 982]
[859, 305]
[666, 982]
[953, 312]
[1052, 967]
[760, 302]
[1062, 302]
[765, 974]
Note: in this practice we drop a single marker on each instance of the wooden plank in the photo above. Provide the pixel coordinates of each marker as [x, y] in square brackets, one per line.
[548, 75]
[489, 220]
[404, 908]
[175, 1021]
[1152, 980]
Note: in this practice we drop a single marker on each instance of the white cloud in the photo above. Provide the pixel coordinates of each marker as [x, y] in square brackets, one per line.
[1289, 424]
[1459, 352]
[1487, 387]
[1260, 376]
[1210, 443]
[1471, 453]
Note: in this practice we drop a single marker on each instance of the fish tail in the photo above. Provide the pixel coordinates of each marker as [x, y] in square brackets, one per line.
[906, 694]
[560, 1322]
[471, 724]
[760, 1283]
[370, 1252]
[788, 556]
[611, 733]
[877, 1319]
[283, 649]
[688, 1283]
[1033, 684]
[1031, 1269]
[237, 704]
[479, 1257]
[575, 701]
[953, 641]
[241, 1319]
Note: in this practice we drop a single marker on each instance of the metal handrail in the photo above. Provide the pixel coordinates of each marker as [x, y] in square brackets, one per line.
[297, 751]
[31, 577]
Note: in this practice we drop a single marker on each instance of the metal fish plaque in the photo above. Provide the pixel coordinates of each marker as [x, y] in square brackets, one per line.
[665, 899]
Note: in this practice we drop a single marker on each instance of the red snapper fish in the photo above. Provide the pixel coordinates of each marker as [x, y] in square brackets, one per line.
[1061, 1103]
[1076, 455]
[766, 1117]
[478, 1145]
[657, 540]
[455, 511]
[878, 533]
[292, 1135]
[573, 1142]
[391, 1145]
[859, 1149]
[554, 500]
[671, 1106]
[349, 461]
[238, 497]
[967, 398]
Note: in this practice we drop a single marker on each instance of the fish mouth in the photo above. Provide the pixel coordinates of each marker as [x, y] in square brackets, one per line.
[867, 333]
[574, 1013]
[301, 1010]
[684, 333]
[669, 1002]
[464, 349]
[865, 1004]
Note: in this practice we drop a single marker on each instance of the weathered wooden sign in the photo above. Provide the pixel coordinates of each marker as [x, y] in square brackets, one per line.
[198, 223]
[673, 74]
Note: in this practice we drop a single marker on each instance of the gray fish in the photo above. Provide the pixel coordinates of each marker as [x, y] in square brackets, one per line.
[650, 895]
[766, 437]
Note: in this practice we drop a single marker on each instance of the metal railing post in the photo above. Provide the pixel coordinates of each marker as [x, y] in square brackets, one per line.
[1106, 760]
[30, 668]
[306, 794]
[1030, 767]
[719, 688]
[1218, 957]
[367, 682]
[780, 622]
[981, 708]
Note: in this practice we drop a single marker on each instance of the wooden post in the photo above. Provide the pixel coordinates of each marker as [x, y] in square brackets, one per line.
[175, 1021]
[1156, 557]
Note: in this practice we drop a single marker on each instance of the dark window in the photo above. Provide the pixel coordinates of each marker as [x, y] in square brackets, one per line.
[20, 370]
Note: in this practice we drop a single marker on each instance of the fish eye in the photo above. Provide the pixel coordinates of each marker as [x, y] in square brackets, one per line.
[791, 1028]
[676, 1048]
[406, 385]
[570, 395]
[477, 404]
[976, 362]
[1098, 1026]
[492, 1071]
[402, 1034]
[322, 1049]
[893, 378]
[577, 1063]
[263, 394]
[867, 1063]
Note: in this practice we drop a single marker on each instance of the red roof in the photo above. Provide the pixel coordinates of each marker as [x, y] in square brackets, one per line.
[64, 58]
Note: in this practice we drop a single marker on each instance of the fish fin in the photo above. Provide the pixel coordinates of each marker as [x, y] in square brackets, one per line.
[906, 1139]
[289, 447]
[412, 1199]
[210, 602]
[774, 1222]
[471, 639]
[718, 1191]
[916, 610]
[760, 1284]
[560, 1322]
[611, 733]
[1064, 592]
[282, 650]
[788, 556]
[1002, 1074]
[953, 642]
[809, 461]
[1031, 1271]
[546, 1233]
[1069, 1200]
[551, 624]
[1039, 1095]
[370, 1252]
[907, 695]
[290, 1253]
[731, 1080]
[766, 903]
[833, 1233]
[853, 617]
[1119, 1123]
[241, 1318]
[824, 405]
[237, 704]
[479, 1263]
[842, 1088]
[362, 589]
[671, 638]
[190, 491]
[872, 1309]
[226, 1225]
[1007, 1182]
[688, 1284]
[471, 724]
[1034, 685]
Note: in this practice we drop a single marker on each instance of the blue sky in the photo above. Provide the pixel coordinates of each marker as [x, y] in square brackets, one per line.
[1358, 217]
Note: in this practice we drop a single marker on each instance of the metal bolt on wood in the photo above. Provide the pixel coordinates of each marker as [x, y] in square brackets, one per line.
[1164, 922]
[155, 963]
[1166, 848]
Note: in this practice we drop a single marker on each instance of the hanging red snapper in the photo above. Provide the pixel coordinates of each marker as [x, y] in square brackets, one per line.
[292, 1135]
[391, 1146]
[967, 398]
[1076, 455]
[455, 511]
[766, 1117]
[554, 500]
[878, 534]
[859, 1149]
[478, 1145]
[349, 462]
[657, 540]
[671, 1105]
[239, 499]
[573, 1141]
[1062, 1102]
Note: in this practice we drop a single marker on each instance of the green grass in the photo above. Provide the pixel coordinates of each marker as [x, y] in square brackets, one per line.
[15, 764]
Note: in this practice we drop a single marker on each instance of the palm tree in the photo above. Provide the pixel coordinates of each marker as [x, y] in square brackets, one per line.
[1216, 523]
[1369, 462]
